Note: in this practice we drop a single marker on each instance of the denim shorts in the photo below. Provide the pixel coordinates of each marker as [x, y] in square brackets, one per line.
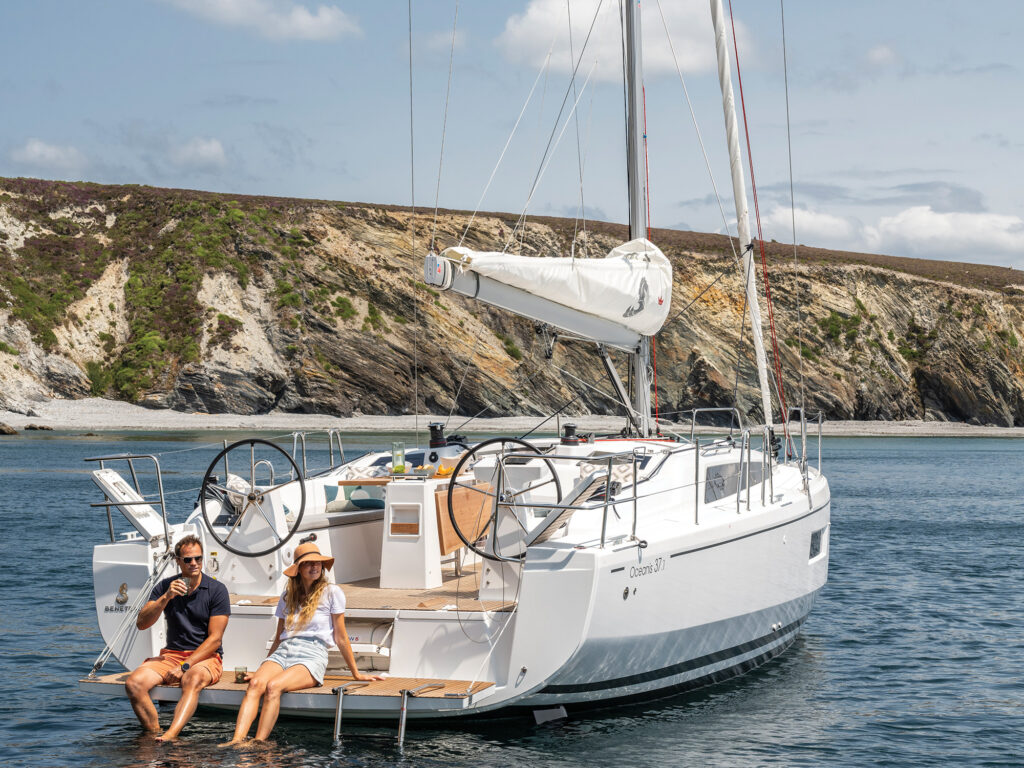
[310, 653]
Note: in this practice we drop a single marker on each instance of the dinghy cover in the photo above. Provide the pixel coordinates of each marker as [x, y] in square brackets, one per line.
[631, 286]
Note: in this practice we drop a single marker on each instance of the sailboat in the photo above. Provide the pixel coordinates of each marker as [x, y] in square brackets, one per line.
[541, 575]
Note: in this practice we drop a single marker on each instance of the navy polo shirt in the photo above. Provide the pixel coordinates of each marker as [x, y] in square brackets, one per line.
[188, 616]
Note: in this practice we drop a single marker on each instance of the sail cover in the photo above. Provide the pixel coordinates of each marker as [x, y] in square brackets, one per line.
[631, 286]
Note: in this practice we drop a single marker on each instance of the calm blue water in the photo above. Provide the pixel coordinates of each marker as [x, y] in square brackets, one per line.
[914, 655]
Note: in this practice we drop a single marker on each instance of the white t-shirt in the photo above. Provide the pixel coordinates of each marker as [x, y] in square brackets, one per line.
[321, 626]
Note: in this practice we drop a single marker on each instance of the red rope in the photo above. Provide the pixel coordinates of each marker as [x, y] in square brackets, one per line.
[776, 357]
[647, 187]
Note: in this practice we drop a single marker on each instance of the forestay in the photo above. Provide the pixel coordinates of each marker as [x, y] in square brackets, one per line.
[631, 286]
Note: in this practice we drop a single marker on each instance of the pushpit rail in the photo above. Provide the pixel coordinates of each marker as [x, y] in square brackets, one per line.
[609, 460]
[131, 458]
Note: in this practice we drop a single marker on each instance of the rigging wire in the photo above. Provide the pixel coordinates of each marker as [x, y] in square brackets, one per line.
[647, 195]
[776, 357]
[488, 407]
[581, 211]
[546, 419]
[739, 353]
[545, 162]
[601, 392]
[792, 205]
[444, 124]
[470, 363]
[545, 157]
[700, 138]
[508, 141]
[412, 232]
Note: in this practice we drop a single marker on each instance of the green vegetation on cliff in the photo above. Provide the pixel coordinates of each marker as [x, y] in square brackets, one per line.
[228, 303]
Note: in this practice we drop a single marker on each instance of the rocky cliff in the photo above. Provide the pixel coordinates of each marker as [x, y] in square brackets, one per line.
[232, 304]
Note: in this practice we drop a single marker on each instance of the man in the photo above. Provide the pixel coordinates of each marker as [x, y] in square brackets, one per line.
[196, 608]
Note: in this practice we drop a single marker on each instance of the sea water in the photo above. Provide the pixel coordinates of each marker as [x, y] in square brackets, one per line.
[913, 656]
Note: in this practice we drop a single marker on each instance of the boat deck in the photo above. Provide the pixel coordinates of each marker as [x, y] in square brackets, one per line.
[389, 687]
[456, 593]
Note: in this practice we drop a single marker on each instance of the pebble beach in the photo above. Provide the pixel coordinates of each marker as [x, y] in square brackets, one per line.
[98, 415]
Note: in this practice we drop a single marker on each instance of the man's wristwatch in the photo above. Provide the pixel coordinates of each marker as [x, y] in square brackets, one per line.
[185, 666]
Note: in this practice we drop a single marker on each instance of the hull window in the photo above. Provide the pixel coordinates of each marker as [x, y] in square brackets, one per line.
[816, 540]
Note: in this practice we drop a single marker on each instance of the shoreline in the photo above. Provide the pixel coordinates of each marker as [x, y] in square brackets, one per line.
[98, 415]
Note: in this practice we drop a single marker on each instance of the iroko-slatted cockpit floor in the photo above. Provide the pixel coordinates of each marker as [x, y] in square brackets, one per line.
[456, 593]
[391, 686]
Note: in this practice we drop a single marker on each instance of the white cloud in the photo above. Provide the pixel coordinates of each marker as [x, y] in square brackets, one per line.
[812, 228]
[527, 37]
[199, 154]
[274, 19]
[881, 57]
[920, 231]
[38, 154]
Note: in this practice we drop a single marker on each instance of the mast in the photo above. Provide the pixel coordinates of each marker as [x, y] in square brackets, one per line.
[742, 211]
[639, 360]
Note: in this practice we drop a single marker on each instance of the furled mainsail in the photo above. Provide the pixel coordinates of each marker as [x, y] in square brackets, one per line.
[631, 286]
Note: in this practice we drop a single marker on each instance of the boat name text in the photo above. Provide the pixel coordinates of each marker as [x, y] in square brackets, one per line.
[655, 566]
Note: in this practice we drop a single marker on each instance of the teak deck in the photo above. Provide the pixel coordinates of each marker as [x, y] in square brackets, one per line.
[455, 593]
[392, 686]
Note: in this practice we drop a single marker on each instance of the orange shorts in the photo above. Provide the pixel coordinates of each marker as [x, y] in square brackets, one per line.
[169, 660]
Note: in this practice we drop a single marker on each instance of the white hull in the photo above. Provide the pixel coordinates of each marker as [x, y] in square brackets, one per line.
[681, 605]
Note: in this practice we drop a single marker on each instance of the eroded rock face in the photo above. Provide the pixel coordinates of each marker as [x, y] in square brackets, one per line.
[215, 389]
[320, 308]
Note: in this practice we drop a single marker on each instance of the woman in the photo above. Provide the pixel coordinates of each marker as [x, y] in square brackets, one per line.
[309, 614]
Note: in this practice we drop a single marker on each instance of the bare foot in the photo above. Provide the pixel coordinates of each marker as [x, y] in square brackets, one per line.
[232, 743]
[163, 738]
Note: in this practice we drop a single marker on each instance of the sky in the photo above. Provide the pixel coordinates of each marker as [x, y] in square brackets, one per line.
[905, 118]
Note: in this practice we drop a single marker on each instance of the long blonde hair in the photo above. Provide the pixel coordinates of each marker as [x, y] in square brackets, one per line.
[299, 606]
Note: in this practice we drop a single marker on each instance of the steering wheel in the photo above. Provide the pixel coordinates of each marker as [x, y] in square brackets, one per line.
[245, 499]
[485, 492]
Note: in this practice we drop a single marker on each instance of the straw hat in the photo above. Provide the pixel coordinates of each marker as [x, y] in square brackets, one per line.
[307, 553]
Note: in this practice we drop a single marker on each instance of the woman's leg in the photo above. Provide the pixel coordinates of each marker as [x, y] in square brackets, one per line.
[292, 679]
[251, 702]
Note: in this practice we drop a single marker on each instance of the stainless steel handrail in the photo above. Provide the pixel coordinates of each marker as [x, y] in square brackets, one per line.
[734, 411]
[299, 438]
[820, 420]
[739, 474]
[108, 503]
[749, 459]
[696, 482]
[260, 463]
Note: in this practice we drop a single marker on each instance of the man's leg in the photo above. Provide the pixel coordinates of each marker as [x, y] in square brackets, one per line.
[137, 686]
[192, 683]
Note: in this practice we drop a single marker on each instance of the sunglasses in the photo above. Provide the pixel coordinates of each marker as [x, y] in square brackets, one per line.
[196, 559]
